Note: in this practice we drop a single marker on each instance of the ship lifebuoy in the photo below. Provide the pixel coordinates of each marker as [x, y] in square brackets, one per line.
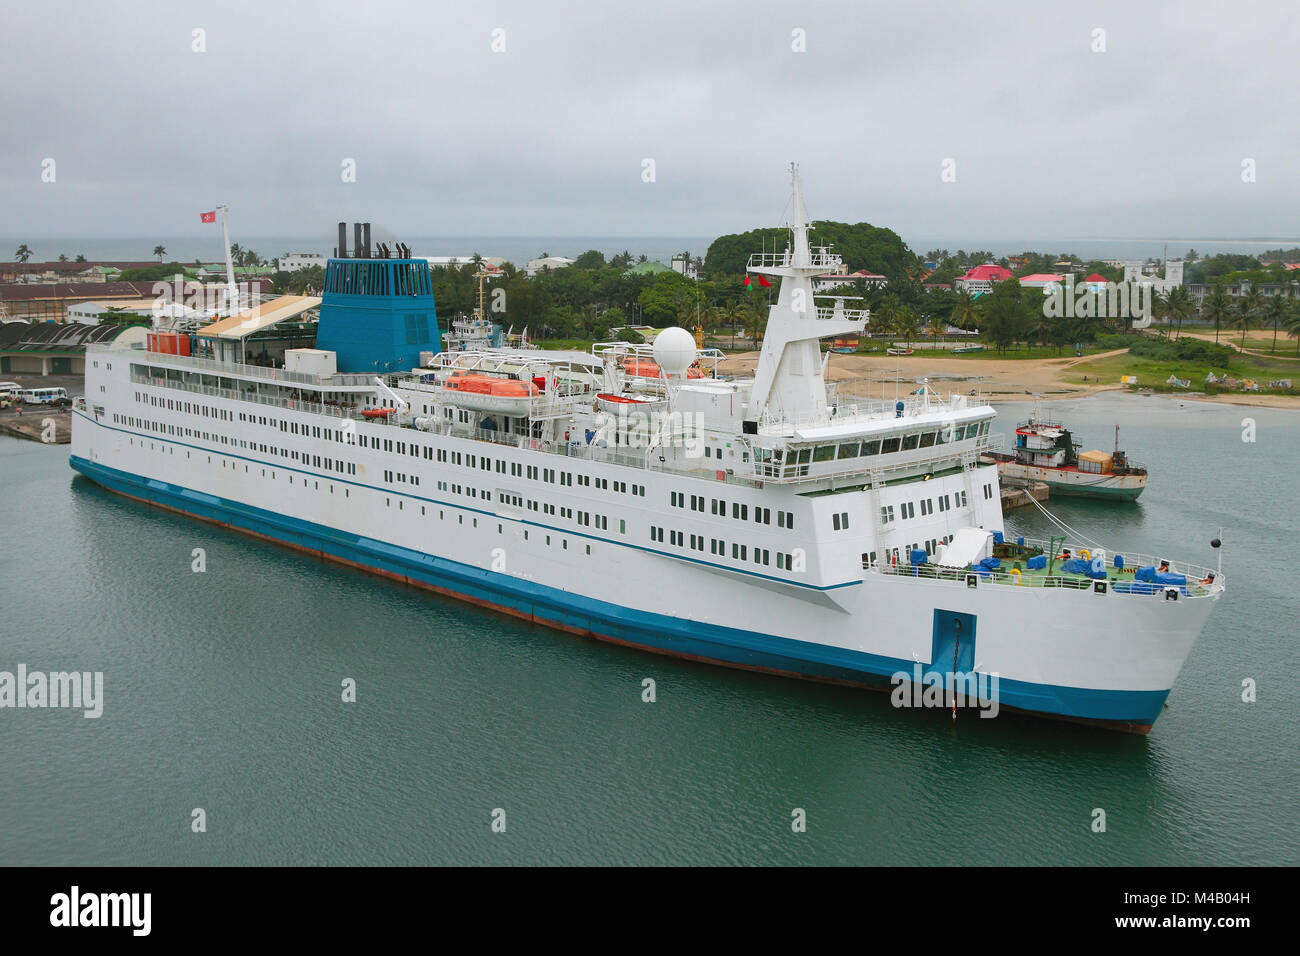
[1085, 554]
[1016, 572]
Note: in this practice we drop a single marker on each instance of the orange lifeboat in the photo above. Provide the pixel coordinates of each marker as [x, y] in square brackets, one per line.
[490, 385]
[377, 412]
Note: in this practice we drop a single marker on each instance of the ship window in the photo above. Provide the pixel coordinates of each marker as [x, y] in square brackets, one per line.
[805, 456]
[871, 448]
[927, 439]
[972, 430]
[889, 445]
[824, 453]
[886, 514]
[910, 442]
[849, 450]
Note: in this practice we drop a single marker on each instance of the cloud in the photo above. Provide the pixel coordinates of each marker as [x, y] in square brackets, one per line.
[548, 137]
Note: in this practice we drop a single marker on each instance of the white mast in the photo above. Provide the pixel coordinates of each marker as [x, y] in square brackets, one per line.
[231, 291]
[789, 383]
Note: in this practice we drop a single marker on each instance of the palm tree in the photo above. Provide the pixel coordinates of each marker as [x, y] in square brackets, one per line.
[1275, 314]
[81, 257]
[23, 253]
[937, 326]
[964, 314]
[1248, 306]
[63, 257]
[1178, 305]
[907, 323]
[160, 251]
[1160, 309]
[1292, 323]
[1216, 307]
[885, 317]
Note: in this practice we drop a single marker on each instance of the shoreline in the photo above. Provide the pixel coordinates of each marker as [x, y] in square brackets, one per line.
[999, 381]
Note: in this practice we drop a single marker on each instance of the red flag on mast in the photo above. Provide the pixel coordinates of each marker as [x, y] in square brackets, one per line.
[761, 281]
[208, 216]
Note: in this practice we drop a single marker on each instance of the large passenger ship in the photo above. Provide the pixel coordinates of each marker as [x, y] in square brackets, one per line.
[765, 523]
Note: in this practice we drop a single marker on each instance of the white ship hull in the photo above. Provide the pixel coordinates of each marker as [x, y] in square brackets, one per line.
[1111, 657]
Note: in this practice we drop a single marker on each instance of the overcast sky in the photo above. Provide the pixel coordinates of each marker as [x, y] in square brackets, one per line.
[1049, 138]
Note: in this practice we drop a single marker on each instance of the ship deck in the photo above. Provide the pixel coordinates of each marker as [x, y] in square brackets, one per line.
[1013, 571]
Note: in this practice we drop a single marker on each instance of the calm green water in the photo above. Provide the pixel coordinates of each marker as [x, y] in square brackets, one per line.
[222, 692]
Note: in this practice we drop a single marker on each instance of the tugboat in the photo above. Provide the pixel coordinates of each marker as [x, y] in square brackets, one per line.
[1045, 451]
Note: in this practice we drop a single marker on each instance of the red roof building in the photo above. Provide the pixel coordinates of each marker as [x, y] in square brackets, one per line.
[980, 279]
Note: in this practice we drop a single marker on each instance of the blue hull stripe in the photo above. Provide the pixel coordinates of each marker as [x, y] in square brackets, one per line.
[642, 628]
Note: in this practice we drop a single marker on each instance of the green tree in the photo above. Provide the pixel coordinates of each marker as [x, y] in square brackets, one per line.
[907, 323]
[23, 253]
[159, 251]
[1178, 305]
[1005, 313]
[63, 257]
[591, 259]
[80, 257]
[1248, 308]
[964, 314]
[1217, 308]
[1275, 313]
[936, 325]
[1292, 323]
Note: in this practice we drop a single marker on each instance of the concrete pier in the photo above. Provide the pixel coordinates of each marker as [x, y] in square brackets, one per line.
[1018, 494]
[34, 425]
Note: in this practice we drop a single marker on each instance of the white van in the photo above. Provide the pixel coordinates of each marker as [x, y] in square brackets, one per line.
[44, 396]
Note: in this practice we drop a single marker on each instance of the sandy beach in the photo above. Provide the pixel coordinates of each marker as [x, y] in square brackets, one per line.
[998, 380]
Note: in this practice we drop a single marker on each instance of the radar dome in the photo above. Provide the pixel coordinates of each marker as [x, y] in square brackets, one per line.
[674, 351]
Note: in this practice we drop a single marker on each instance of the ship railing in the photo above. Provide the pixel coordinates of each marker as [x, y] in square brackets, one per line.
[818, 258]
[854, 408]
[645, 458]
[249, 395]
[1004, 577]
[1131, 560]
[282, 376]
[851, 315]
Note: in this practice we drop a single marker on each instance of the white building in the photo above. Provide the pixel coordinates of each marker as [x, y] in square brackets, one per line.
[684, 264]
[1173, 275]
[547, 262]
[837, 280]
[299, 260]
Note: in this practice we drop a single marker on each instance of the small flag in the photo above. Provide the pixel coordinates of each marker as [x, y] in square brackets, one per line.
[761, 281]
[209, 216]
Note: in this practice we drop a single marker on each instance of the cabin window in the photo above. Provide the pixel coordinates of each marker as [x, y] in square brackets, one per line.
[910, 442]
[889, 445]
[927, 440]
[849, 450]
[886, 514]
[871, 448]
[805, 456]
[824, 453]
